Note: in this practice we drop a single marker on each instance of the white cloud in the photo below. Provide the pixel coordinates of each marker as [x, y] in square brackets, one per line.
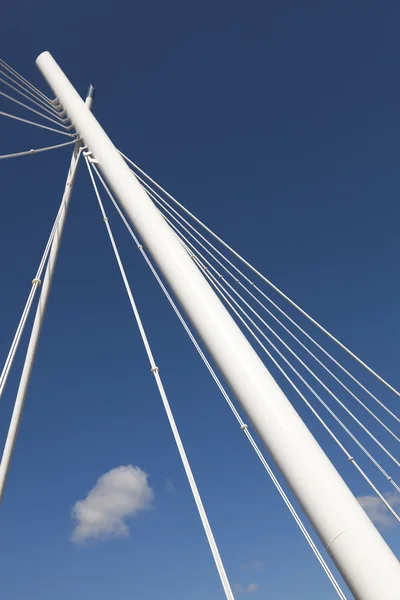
[170, 486]
[238, 588]
[118, 494]
[254, 565]
[377, 511]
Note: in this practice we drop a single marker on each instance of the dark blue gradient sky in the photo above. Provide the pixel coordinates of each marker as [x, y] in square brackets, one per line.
[277, 123]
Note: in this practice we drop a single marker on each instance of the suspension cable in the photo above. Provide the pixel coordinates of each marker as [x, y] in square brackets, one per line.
[350, 458]
[24, 81]
[37, 112]
[273, 286]
[242, 425]
[4, 114]
[154, 369]
[327, 428]
[37, 101]
[334, 415]
[179, 219]
[250, 438]
[221, 278]
[36, 282]
[337, 379]
[37, 150]
[388, 477]
[217, 283]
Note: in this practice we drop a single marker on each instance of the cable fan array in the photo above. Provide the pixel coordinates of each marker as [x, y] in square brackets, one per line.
[309, 360]
[275, 337]
[236, 288]
[37, 103]
[48, 260]
[10, 78]
[242, 424]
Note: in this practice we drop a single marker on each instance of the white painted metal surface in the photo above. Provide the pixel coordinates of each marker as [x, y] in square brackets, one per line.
[369, 567]
[38, 321]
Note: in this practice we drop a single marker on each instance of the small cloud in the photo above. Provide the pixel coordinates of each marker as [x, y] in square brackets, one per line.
[238, 588]
[118, 494]
[254, 565]
[377, 511]
[169, 486]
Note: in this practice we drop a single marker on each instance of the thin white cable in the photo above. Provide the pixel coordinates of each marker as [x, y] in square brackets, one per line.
[40, 103]
[326, 388]
[37, 112]
[296, 517]
[154, 369]
[31, 351]
[178, 218]
[388, 477]
[4, 114]
[36, 282]
[25, 81]
[327, 428]
[242, 425]
[358, 400]
[32, 95]
[250, 438]
[221, 278]
[295, 355]
[274, 287]
[36, 151]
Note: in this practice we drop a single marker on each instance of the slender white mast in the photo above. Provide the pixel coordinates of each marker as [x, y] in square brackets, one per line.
[39, 316]
[366, 562]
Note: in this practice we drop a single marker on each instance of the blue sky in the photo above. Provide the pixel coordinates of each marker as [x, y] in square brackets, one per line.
[277, 123]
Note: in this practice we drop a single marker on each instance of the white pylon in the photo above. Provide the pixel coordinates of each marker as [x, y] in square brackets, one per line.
[366, 562]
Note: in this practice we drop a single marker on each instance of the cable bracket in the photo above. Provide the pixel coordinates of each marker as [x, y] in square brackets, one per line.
[89, 155]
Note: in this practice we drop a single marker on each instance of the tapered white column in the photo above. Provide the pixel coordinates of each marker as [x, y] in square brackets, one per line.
[369, 567]
[39, 316]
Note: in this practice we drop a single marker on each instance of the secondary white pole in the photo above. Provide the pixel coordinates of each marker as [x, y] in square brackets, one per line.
[40, 311]
[366, 562]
